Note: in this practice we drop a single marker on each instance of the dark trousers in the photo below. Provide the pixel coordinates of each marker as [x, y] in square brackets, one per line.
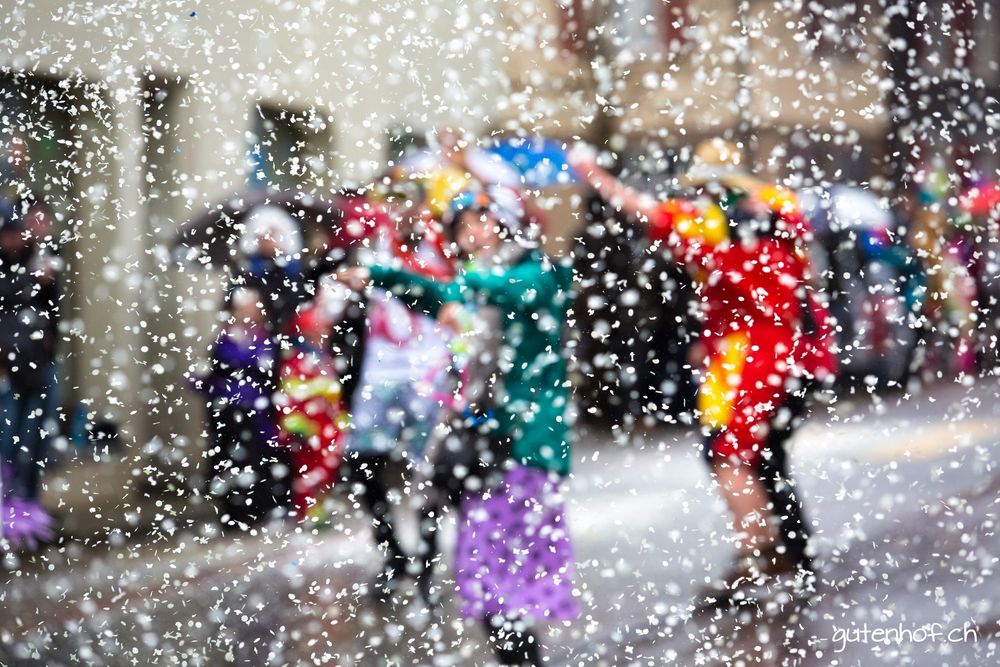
[781, 489]
[372, 475]
[254, 471]
[513, 645]
[772, 469]
[27, 415]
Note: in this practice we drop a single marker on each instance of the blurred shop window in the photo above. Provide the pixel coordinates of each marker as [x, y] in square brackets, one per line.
[290, 149]
[573, 26]
[836, 29]
[636, 25]
[402, 142]
[816, 159]
[37, 143]
[675, 24]
[986, 46]
[945, 40]
[652, 26]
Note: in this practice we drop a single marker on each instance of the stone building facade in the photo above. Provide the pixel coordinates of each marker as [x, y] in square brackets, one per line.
[138, 116]
[807, 85]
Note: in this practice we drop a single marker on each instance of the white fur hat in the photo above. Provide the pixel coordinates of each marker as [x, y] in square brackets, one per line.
[271, 222]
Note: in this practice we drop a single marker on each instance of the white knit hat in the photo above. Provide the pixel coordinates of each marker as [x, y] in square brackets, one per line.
[275, 223]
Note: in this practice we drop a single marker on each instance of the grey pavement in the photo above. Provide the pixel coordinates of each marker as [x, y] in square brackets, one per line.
[902, 494]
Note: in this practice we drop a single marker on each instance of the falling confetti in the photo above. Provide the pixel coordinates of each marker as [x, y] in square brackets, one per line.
[562, 332]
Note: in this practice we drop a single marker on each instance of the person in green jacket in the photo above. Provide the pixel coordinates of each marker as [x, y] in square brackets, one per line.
[514, 562]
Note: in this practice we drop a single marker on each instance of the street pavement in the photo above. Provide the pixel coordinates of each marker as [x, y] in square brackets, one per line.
[902, 493]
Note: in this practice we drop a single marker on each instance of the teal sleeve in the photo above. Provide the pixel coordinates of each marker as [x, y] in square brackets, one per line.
[523, 287]
[417, 292]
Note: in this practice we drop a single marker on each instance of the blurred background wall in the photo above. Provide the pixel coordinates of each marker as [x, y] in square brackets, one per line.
[136, 116]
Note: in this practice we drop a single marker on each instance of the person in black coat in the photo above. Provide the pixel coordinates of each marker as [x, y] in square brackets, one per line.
[271, 269]
[29, 308]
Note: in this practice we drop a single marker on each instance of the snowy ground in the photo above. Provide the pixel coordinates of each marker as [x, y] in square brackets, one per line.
[903, 497]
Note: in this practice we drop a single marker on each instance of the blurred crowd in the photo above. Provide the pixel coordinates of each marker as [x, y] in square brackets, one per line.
[913, 288]
[411, 341]
[421, 358]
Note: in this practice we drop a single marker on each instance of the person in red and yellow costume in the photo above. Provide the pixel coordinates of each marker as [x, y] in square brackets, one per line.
[311, 414]
[766, 337]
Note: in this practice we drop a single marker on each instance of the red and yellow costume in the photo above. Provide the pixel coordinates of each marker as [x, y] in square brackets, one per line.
[754, 304]
[311, 421]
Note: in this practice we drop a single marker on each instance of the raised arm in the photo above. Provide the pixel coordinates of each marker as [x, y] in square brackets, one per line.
[691, 245]
[525, 286]
[417, 292]
[641, 205]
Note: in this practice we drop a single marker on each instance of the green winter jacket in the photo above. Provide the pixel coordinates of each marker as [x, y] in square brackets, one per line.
[534, 296]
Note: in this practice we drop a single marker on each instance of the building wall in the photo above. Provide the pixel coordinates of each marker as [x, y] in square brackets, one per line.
[672, 73]
[819, 91]
[163, 100]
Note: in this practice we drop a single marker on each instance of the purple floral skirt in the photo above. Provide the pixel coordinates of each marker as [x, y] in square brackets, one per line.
[514, 555]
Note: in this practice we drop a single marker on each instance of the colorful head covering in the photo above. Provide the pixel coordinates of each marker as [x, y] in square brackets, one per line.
[720, 161]
[503, 203]
[433, 187]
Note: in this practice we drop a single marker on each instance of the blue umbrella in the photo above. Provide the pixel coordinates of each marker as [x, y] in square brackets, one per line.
[540, 161]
